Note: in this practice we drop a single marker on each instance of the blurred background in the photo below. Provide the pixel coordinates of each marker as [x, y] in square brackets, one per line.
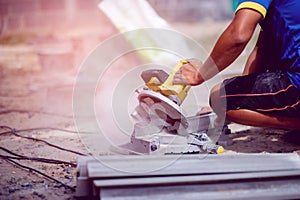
[70, 29]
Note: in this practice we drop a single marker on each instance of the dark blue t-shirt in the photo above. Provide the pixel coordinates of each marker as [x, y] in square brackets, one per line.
[281, 26]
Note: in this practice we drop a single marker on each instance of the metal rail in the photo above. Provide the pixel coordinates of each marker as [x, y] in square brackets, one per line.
[228, 176]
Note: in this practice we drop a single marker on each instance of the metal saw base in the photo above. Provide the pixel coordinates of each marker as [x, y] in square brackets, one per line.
[164, 141]
[158, 144]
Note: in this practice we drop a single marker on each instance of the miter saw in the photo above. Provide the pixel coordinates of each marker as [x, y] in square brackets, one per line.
[162, 128]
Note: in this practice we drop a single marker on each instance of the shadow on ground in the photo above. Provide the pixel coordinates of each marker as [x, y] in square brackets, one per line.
[258, 140]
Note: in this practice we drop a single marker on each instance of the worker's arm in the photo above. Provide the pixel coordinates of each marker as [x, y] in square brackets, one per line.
[254, 63]
[228, 47]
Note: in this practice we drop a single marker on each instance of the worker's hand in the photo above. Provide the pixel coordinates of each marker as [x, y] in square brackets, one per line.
[189, 74]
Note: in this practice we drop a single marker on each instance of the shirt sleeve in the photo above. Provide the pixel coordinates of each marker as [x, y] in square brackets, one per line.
[260, 6]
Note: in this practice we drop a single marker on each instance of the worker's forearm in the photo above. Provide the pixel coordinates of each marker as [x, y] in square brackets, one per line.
[231, 43]
[229, 46]
[254, 63]
[226, 50]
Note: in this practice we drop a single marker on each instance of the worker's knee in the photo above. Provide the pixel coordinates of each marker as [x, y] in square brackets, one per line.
[215, 100]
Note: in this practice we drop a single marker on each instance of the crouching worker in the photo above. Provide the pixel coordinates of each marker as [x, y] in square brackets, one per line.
[268, 92]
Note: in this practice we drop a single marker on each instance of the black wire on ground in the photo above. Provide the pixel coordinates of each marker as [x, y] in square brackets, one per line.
[45, 160]
[2, 112]
[14, 132]
[41, 173]
[40, 129]
[51, 161]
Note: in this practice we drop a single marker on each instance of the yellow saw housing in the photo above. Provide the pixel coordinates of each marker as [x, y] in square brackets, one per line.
[167, 88]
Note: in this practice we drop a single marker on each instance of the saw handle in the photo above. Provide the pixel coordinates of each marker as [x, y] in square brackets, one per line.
[159, 81]
[168, 88]
[170, 79]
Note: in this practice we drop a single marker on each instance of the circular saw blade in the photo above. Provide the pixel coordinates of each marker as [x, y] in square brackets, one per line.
[166, 106]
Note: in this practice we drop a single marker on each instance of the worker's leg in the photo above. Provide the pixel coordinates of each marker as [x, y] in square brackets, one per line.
[252, 118]
[245, 106]
[217, 104]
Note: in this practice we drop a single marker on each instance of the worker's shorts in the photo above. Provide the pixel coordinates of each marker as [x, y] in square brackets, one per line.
[269, 93]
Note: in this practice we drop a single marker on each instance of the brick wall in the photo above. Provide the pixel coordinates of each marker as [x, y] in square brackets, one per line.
[28, 15]
[73, 19]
